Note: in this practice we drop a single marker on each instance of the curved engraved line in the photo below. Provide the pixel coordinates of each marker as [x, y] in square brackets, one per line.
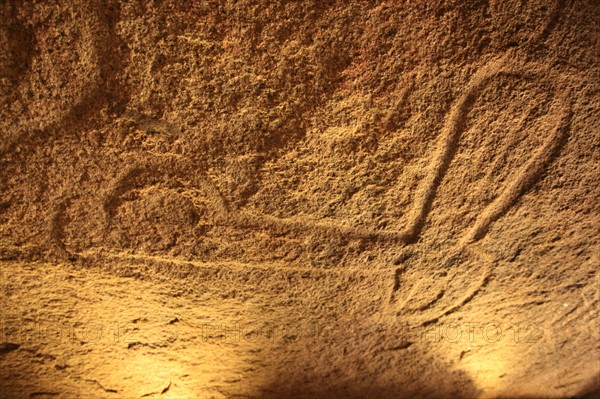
[111, 256]
[470, 294]
[526, 177]
[442, 157]
[159, 170]
[397, 309]
[447, 144]
[300, 225]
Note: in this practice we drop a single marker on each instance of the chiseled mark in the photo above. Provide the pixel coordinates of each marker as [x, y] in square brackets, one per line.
[472, 291]
[154, 171]
[397, 286]
[447, 145]
[57, 225]
[527, 176]
[440, 162]
[437, 305]
[161, 392]
[180, 268]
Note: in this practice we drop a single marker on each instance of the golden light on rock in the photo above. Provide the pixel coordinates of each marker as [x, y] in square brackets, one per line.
[299, 199]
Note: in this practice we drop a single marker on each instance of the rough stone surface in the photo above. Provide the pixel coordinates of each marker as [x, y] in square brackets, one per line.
[336, 199]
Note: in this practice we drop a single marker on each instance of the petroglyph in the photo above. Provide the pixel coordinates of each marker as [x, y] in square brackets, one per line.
[177, 182]
[171, 172]
[441, 158]
[524, 180]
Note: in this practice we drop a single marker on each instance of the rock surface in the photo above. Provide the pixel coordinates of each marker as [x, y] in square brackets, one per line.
[300, 199]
